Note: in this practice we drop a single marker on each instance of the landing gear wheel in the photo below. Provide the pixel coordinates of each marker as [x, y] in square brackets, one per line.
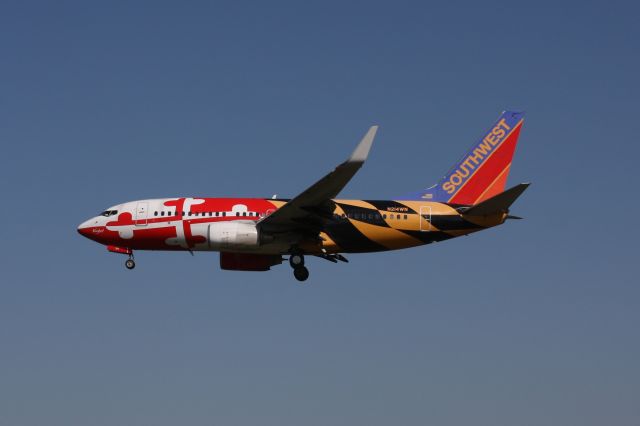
[130, 264]
[301, 273]
[296, 260]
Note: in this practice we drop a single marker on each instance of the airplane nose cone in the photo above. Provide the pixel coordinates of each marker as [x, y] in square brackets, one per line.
[85, 227]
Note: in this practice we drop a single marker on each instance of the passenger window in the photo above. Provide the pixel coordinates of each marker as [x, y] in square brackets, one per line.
[224, 214]
[155, 213]
[384, 216]
[398, 217]
[237, 213]
[405, 217]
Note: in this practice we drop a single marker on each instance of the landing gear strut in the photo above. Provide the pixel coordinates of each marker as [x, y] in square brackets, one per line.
[296, 261]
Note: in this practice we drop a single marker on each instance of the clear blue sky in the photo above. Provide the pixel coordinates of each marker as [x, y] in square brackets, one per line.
[532, 323]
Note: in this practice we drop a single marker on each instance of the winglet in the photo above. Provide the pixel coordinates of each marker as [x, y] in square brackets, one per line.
[498, 203]
[313, 201]
[362, 150]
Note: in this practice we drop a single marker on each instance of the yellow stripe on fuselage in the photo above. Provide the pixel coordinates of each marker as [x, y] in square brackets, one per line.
[390, 238]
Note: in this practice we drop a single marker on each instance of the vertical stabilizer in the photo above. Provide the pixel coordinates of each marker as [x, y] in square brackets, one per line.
[482, 172]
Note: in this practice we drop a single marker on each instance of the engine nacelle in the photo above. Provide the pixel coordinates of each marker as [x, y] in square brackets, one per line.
[248, 261]
[233, 235]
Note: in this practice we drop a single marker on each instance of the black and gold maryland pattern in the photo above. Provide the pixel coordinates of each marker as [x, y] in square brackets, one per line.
[359, 226]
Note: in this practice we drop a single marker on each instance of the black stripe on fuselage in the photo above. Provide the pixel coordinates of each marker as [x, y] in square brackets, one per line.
[451, 222]
[428, 236]
[362, 214]
[350, 239]
[390, 206]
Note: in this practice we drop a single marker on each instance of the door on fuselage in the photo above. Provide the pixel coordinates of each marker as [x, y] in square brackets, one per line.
[425, 218]
[142, 213]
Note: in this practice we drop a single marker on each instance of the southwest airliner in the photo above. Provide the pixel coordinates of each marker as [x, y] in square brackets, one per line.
[254, 234]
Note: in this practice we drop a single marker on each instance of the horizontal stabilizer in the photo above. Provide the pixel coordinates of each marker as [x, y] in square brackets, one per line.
[498, 203]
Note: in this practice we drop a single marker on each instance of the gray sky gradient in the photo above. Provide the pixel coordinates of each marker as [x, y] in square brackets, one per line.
[532, 323]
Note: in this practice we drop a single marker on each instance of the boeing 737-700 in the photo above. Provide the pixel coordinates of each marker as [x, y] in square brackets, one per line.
[254, 234]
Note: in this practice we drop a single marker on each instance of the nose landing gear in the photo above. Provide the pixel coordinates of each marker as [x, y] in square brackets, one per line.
[300, 272]
[130, 264]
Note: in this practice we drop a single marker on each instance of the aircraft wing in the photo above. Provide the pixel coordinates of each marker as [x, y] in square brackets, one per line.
[305, 212]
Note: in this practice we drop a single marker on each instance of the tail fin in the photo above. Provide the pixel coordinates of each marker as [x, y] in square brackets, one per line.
[482, 172]
[497, 204]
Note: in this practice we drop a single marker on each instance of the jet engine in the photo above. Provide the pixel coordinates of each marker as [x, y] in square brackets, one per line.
[233, 235]
[248, 261]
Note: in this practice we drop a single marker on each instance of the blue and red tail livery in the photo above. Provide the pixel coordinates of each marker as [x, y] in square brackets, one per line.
[482, 172]
[253, 234]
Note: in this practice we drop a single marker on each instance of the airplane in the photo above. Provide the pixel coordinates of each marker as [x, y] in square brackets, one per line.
[254, 234]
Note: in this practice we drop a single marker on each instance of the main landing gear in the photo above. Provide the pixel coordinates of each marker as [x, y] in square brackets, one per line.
[300, 271]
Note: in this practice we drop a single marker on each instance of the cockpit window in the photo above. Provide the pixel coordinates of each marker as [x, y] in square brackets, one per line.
[108, 213]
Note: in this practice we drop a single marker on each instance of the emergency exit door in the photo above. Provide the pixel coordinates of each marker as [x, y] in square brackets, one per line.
[142, 213]
[425, 218]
